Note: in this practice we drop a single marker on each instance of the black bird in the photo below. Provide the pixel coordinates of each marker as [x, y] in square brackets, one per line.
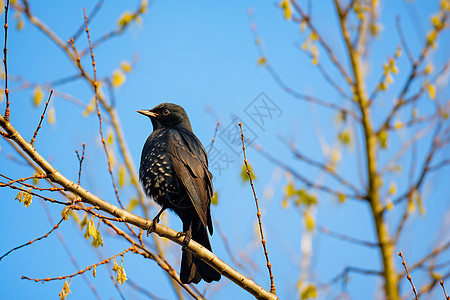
[174, 172]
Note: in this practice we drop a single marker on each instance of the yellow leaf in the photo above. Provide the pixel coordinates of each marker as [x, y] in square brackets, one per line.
[126, 66]
[429, 68]
[244, 174]
[215, 199]
[51, 115]
[94, 271]
[287, 10]
[306, 44]
[336, 155]
[341, 197]
[65, 213]
[285, 203]
[411, 207]
[65, 291]
[90, 229]
[27, 198]
[309, 292]
[445, 5]
[393, 188]
[35, 180]
[124, 19]
[144, 5]
[375, 29]
[436, 21]
[133, 203]
[289, 189]
[118, 78]
[20, 24]
[382, 86]
[398, 124]
[89, 108]
[436, 276]
[398, 52]
[417, 199]
[431, 91]
[38, 94]
[431, 37]
[122, 176]
[310, 223]
[389, 204]
[121, 276]
[302, 26]
[345, 137]
[262, 61]
[110, 136]
[383, 139]
[314, 36]
[97, 239]
[116, 266]
[84, 221]
[75, 216]
[24, 197]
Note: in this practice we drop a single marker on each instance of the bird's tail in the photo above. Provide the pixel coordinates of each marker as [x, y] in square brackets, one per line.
[193, 269]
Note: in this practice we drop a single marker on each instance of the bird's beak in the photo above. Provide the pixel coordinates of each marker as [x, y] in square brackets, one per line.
[147, 113]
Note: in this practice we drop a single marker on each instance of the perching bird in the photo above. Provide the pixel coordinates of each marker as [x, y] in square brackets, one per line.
[174, 172]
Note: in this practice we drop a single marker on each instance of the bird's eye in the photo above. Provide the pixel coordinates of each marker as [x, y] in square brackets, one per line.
[166, 112]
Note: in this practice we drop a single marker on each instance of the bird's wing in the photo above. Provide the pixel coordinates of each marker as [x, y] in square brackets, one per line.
[192, 172]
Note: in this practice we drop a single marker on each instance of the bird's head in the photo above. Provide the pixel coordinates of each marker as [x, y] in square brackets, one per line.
[167, 115]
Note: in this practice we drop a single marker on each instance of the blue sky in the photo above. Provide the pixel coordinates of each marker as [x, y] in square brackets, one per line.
[202, 56]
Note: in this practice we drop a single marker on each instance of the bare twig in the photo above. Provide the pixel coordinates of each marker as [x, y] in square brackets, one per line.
[398, 25]
[35, 240]
[142, 290]
[5, 64]
[42, 118]
[443, 288]
[346, 238]
[305, 180]
[90, 18]
[408, 276]
[116, 191]
[228, 249]
[80, 159]
[214, 137]
[81, 271]
[263, 241]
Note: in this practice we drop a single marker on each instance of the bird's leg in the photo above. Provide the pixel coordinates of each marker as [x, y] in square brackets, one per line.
[152, 227]
[187, 237]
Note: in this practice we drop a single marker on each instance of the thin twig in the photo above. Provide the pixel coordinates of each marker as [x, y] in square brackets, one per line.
[42, 118]
[116, 191]
[305, 180]
[35, 240]
[141, 290]
[81, 271]
[228, 248]
[5, 64]
[263, 241]
[346, 238]
[90, 18]
[80, 159]
[214, 137]
[398, 25]
[2, 184]
[408, 276]
[443, 287]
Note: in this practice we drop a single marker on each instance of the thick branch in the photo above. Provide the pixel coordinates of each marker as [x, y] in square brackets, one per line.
[163, 231]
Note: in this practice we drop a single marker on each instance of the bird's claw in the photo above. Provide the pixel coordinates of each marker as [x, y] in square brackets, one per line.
[152, 227]
[186, 240]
